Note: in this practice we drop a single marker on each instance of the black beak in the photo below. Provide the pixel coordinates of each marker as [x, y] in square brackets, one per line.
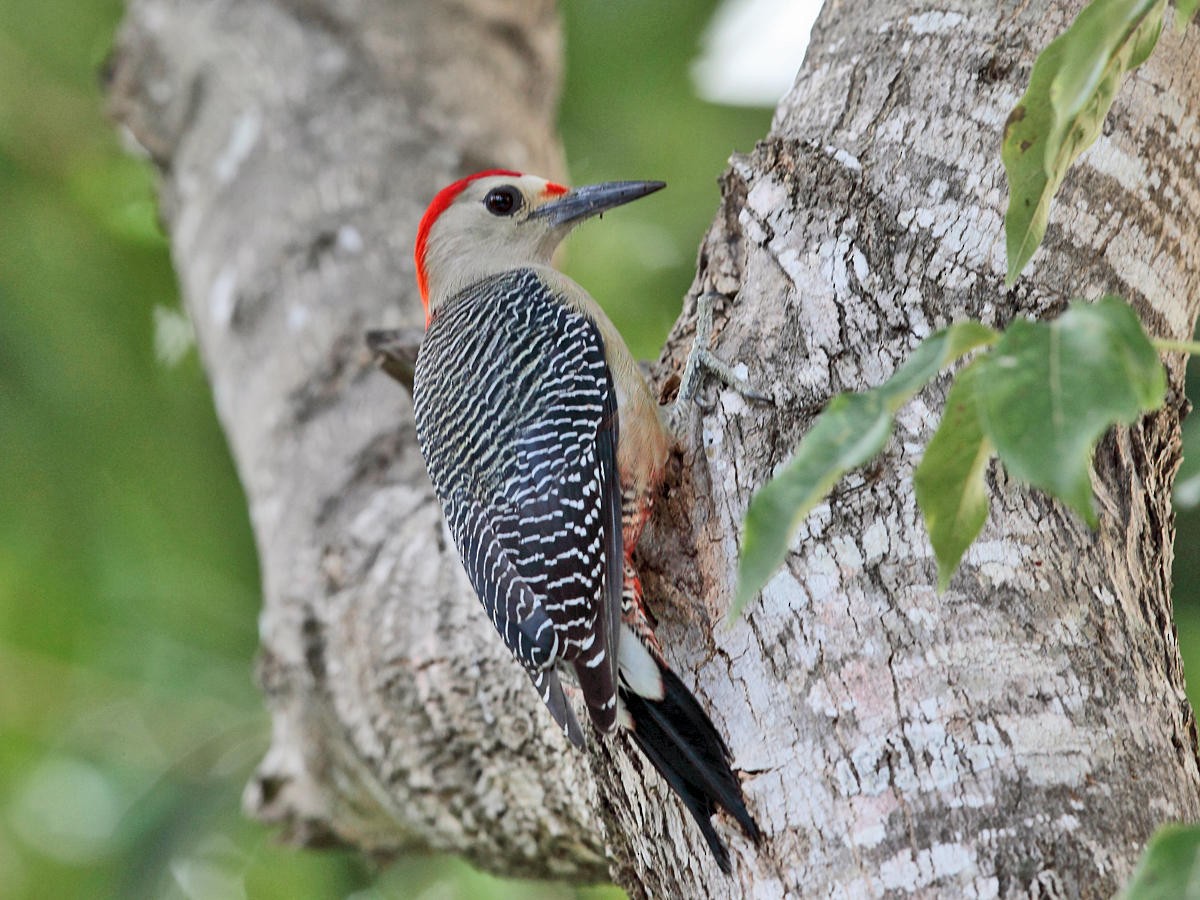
[594, 199]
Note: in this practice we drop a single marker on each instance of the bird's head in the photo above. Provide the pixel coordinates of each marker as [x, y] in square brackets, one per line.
[499, 220]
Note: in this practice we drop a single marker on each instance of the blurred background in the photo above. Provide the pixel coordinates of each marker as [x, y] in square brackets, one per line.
[129, 590]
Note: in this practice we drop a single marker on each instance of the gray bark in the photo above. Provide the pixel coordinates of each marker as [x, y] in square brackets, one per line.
[1019, 735]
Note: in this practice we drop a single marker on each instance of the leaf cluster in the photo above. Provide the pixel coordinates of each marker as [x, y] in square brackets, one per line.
[1039, 397]
[1042, 394]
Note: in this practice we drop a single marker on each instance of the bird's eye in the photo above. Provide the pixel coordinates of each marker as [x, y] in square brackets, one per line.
[502, 201]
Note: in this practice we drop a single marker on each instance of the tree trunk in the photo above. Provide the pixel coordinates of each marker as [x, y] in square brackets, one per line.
[1021, 734]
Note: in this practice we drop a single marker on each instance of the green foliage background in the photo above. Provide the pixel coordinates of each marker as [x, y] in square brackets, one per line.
[128, 584]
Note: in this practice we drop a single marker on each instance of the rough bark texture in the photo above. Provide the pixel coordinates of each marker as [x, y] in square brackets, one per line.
[1020, 735]
[300, 142]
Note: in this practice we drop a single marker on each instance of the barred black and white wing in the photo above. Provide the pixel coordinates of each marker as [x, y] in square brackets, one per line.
[527, 477]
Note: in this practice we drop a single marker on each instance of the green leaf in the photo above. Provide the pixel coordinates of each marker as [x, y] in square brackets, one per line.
[935, 353]
[1048, 391]
[1071, 88]
[950, 485]
[1169, 868]
[1184, 10]
[851, 430]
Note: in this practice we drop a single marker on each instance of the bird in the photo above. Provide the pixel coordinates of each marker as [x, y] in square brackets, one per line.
[546, 446]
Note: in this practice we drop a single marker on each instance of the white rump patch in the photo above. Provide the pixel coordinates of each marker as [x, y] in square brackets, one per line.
[638, 667]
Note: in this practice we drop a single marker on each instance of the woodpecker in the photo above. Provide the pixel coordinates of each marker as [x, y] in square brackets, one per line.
[545, 446]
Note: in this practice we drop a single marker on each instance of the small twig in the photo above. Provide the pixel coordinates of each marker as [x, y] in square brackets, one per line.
[396, 349]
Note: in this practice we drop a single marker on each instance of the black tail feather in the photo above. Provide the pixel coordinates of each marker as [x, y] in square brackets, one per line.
[679, 739]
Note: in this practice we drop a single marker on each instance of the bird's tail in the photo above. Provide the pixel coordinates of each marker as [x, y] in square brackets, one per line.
[679, 739]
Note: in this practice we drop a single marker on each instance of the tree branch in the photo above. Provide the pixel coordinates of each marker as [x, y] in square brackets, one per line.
[1022, 733]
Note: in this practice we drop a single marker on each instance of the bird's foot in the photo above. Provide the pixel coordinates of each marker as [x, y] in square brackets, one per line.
[700, 361]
